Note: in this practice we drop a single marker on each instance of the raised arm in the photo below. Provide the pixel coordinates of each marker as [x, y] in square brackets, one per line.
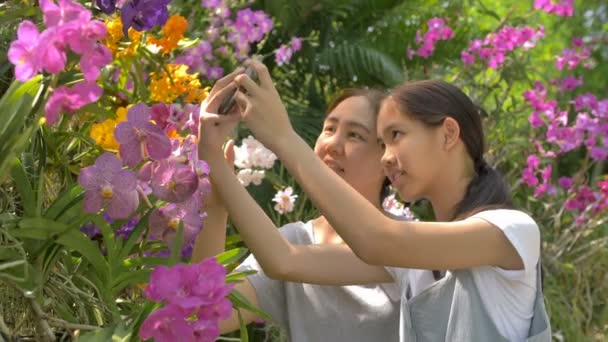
[320, 264]
[374, 237]
[212, 240]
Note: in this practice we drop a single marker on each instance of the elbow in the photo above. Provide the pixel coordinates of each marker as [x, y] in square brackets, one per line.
[369, 254]
[276, 272]
[371, 249]
[278, 268]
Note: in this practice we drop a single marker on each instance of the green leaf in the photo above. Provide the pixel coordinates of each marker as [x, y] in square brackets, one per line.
[108, 238]
[101, 335]
[143, 261]
[24, 187]
[176, 249]
[39, 228]
[16, 123]
[143, 314]
[240, 301]
[80, 243]
[236, 276]
[231, 255]
[127, 249]
[68, 236]
[66, 200]
[363, 62]
[130, 277]
[244, 334]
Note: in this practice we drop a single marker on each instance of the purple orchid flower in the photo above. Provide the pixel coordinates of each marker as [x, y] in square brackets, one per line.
[173, 181]
[139, 137]
[165, 220]
[106, 182]
[106, 6]
[143, 15]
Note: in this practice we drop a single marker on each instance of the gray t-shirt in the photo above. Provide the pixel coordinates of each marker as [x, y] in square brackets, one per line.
[318, 313]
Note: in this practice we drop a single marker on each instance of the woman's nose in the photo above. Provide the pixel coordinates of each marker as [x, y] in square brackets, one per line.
[335, 144]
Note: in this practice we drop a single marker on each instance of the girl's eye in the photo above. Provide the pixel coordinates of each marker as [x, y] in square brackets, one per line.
[329, 129]
[395, 135]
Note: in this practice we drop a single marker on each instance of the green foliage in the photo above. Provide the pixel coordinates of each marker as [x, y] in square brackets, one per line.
[47, 260]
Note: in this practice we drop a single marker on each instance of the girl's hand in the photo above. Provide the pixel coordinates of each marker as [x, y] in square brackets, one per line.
[261, 107]
[213, 129]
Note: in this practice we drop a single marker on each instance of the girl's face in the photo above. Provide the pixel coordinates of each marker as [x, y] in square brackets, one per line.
[413, 157]
[348, 145]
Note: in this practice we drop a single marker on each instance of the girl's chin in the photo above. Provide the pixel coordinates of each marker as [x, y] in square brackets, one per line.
[407, 196]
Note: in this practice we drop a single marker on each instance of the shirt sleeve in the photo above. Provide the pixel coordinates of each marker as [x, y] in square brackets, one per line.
[271, 293]
[520, 229]
[400, 286]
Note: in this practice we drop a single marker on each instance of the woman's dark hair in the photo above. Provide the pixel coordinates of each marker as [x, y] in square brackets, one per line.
[374, 97]
[430, 102]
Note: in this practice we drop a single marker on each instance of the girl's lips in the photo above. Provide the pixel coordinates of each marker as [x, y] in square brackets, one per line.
[395, 176]
[334, 166]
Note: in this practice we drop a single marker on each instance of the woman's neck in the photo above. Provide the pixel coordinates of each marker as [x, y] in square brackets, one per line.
[324, 233]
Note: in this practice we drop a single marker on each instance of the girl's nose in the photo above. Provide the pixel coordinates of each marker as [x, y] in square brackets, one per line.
[388, 158]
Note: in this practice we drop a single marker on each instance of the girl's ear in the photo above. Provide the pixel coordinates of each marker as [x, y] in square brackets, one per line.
[451, 133]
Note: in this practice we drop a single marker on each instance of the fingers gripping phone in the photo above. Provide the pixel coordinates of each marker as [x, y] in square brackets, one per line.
[230, 101]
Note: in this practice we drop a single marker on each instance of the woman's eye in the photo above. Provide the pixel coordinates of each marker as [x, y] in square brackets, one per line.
[395, 135]
[329, 129]
[356, 135]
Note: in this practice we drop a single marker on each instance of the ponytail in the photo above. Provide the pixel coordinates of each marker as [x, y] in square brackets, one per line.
[487, 190]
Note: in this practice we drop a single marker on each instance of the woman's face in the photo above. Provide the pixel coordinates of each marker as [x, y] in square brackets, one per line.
[348, 145]
[412, 157]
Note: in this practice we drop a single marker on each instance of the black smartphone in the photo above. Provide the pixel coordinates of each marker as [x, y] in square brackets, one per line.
[230, 100]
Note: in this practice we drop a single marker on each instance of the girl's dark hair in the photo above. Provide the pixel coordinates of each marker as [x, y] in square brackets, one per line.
[430, 102]
[374, 97]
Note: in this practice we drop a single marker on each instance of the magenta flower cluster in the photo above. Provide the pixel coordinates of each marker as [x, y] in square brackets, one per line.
[571, 58]
[284, 53]
[69, 27]
[437, 30]
[580, 123]
[194, 298]
[494, 48]
[225, 37]
[563, 8]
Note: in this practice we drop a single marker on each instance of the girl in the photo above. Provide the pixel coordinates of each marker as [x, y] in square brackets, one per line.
[311, 312]
[433, 144]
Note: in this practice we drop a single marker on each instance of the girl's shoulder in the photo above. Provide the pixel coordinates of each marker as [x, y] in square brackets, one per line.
[503, 218]
[520, 229]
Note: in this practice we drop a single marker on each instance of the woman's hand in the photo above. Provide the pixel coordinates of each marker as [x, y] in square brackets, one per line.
[262, 109]
[213, 129]
[213, 201]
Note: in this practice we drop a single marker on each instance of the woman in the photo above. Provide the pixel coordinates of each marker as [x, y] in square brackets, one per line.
[310, 312]
[433, 140]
